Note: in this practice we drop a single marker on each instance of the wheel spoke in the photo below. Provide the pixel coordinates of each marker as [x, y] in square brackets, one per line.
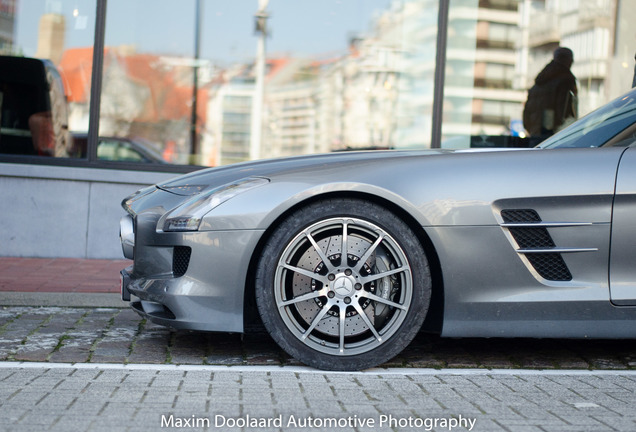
[366, 279]
[366, 320]
[368, 253]
[316, 320]
[344, 251]
[379, 299]
[305, 272]
[302, 297]
[343, 316]
[320, 253]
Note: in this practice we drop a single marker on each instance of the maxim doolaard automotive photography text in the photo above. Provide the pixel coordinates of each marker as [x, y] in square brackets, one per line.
[292, 421]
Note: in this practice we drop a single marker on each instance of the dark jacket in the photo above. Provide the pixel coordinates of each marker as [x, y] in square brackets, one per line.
[551, 100]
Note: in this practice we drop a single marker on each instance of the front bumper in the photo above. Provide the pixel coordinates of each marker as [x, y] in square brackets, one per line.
[124, 281]
[187, 280]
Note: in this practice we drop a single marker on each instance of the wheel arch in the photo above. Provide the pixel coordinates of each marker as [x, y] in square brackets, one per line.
[434, 318]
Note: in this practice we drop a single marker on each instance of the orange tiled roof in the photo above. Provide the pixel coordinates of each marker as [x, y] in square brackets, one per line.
[76, 70]
[169, 86]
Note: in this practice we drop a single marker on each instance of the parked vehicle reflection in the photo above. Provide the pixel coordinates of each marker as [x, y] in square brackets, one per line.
[118, 149]
[34, 113]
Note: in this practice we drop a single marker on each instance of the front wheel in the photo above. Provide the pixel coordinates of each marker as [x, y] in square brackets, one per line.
[343, 284]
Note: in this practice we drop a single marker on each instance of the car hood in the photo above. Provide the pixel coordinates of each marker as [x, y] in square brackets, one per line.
[198, 181]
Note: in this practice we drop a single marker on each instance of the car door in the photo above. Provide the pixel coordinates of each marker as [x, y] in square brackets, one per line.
[623, 244]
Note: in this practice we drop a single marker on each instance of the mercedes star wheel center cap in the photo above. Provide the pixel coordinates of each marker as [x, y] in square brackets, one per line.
[343, 286]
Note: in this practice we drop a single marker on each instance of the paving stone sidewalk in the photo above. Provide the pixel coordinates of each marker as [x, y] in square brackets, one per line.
[104, 335]
[82, 399]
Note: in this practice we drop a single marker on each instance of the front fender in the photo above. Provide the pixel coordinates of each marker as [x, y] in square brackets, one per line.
[260, 207]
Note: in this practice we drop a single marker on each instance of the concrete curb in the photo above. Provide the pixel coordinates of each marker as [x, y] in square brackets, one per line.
[309, 370]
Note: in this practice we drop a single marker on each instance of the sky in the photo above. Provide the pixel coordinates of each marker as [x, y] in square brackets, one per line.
[298, 27]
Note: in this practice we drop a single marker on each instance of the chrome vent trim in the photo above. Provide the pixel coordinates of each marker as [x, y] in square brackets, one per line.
[545, 224]
[556, 250]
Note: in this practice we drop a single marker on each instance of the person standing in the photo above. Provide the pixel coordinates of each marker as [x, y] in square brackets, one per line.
[553, 99]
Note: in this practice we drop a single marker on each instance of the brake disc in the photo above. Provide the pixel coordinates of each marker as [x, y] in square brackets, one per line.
[303, 284]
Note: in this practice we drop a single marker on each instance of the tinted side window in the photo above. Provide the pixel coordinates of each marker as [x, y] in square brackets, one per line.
[599, 127]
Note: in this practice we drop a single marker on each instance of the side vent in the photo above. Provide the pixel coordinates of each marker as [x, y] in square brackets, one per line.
[520, 216]
[536, 244]
[550, 266]
[180, 260]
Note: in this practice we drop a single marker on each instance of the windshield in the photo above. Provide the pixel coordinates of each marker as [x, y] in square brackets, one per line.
[598, 127]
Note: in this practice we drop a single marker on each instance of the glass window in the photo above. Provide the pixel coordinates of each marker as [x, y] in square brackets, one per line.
[212, 82]
[498, 50]
[45, 75]
[600, 127]
[217, 82]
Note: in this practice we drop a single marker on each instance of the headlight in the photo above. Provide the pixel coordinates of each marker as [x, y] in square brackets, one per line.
[187, 217]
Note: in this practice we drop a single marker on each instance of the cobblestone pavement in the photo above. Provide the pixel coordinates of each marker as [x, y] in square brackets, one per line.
[71, 369]
[101, 335]
[71, 398]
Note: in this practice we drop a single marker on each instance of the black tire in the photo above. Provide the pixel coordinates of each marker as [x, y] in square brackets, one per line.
[337, 314]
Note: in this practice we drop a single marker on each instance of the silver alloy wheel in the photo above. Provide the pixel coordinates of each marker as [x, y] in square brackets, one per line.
[343, 304]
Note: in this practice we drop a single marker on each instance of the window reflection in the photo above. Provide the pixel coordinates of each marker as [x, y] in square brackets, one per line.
[336, 75]
[182, 80]
[41, 99]
[480, 98]
[496, 49]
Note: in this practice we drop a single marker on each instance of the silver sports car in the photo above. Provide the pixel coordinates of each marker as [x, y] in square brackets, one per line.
[346, 256]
